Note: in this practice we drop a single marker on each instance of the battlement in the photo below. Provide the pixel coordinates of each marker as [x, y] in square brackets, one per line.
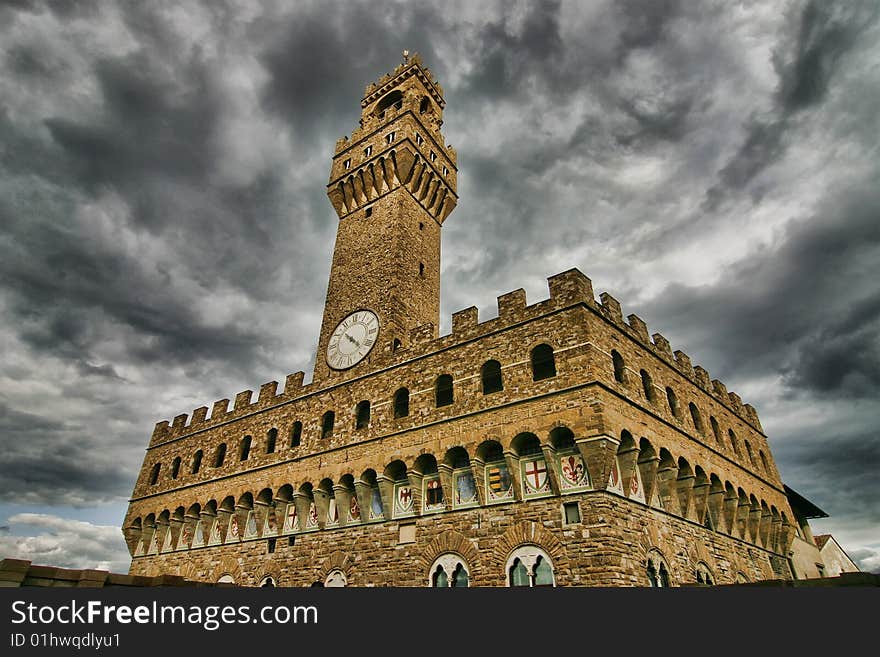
[567, 289]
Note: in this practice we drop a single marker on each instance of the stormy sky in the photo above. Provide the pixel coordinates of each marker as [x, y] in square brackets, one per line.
[165, 236]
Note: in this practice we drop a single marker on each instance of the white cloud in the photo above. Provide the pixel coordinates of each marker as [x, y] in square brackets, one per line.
[56, 541]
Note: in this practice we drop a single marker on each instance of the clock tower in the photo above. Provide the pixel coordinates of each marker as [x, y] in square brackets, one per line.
[393, 183]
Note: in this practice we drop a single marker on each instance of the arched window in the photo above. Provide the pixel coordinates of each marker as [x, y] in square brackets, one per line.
[220, 455]
[335, 579]
[672, 400]
[449, 570]
[401, 403]
[619, 366]
[490, 375]
[395, 345]
[543, 362]
[197, 462]
[696, 417]
[271, 439]
[764, 462]
[424, 105]
[296, 434]
[716, 430]
[175, 467]
[327, 424]
[733, 442]
[226, 579]
[648, 386]
[267, 582]
[704, 575]
[362, 415]
[529, 565]
[154, 474]
[443, 390]
[749, 452]
[395, 98]
[245, 450]
[658, 573]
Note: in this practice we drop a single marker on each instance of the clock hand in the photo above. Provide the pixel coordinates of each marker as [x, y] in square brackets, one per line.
[352, 340]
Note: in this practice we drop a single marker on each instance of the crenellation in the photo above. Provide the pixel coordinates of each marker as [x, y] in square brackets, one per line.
[639, 327]
[219, 409]
[683, 363]
[721, 390]
[160, 431]
[267, 392]
[735, 400]
[179, 423]
[464, 321]
[702, 377]
[571, 287]
[511, 304]
[242, 399]
[752, 414]
[611, 307]
[199, 415]
[293, 384]
[661, 346]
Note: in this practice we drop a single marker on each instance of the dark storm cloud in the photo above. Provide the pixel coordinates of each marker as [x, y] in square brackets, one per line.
[827, 32]
[165, 235]
[50, 461]
[802, 306]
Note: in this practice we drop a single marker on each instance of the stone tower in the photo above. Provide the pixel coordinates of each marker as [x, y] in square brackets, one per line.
[393, 183]
[559, 443]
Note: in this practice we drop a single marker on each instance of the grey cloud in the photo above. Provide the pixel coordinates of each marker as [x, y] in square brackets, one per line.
[806, 69]
[66, 543]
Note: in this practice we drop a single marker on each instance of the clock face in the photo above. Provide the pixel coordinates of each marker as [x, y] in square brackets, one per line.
[352, 339]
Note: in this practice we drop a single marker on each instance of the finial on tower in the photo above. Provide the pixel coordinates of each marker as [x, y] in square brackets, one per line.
[406, 56]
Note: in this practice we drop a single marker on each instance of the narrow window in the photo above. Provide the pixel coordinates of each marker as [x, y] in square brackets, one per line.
[543, 573]
[749, 452]
[270, 548]
[543, 362]
[197, 462]
[443, 390]
[291, 541]
[619, 367]
[440, 578]
[716, 430]
[347, 164]
[419, 139]
[220, 455]
[672, 400]
[369, 212]
[433, 156]
[490, 375]
[460, 578]
[362, 415]
[733, 443]
[401, 403]
[647, 386]
[154, 474]
[519, 576]
[296, 434]
[422, 269]
[327, 424]
[389, 138]
[245, 449]
[271, 439]
[445, 171]
[571, 513]
[696, 417]
[421, 226]
[395, 345]
[424, 105]
[368, 151]
[764, 462]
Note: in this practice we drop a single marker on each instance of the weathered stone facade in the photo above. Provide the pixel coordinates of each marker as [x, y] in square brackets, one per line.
[564, 427]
